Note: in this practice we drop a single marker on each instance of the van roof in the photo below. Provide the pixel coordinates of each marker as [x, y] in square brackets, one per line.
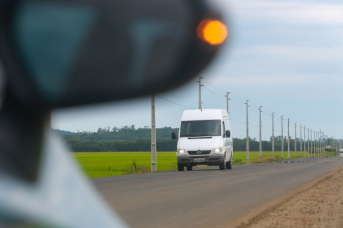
[204, 114]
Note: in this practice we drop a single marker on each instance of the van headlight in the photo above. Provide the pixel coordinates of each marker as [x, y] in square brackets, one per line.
[218, 151]
[182, 151]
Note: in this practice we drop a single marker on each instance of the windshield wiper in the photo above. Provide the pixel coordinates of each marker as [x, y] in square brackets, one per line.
[204, 135]
[200, 137]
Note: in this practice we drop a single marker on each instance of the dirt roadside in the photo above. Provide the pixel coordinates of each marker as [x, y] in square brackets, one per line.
[318, 206]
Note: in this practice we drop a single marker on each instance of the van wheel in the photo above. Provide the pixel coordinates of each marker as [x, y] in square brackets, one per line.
[223, 165]
[180, 167]
[189, 168]
[229, 164]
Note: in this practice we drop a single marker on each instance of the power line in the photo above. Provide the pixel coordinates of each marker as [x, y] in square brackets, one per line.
[267, 128]
[174, 95]
[173, 102]
[240, 122]
[214, 86]
[216, 94]
[236, 102]
[269, 110]
[237, 97]
[264, 113]
[255, 108]
[224, 92]
[253, 125]
[254, 105]
[235, 116]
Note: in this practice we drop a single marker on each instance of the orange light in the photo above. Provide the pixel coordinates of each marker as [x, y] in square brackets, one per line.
[213, 32]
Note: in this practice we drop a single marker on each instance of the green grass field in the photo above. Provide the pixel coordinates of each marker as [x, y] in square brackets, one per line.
[103, 164]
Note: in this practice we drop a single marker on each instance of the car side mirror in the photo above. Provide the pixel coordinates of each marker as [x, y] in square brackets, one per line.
[66, 53]
[227, 134]
[173, 134]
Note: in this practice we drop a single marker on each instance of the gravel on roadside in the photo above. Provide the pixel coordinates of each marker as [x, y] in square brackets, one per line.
[319, 206]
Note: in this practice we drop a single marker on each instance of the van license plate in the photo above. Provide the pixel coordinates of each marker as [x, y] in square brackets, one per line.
[199, 159]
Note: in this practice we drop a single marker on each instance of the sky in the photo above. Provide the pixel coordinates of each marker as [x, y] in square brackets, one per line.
[285, 56]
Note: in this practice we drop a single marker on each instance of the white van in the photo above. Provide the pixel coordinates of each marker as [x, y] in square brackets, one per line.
[341, 152]
[204, 138]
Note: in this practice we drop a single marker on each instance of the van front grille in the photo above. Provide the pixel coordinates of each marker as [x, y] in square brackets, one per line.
[198, 152]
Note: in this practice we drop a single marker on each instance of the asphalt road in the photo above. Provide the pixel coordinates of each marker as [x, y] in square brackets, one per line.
[208, 197]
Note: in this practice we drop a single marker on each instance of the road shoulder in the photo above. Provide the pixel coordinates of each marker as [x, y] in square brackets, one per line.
[318, 204]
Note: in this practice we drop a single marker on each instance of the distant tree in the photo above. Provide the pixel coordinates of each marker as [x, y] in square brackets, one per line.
[130, 138]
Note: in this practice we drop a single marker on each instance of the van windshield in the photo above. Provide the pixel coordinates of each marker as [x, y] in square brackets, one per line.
[200, 128]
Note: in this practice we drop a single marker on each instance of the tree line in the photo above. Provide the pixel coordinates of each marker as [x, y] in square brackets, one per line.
[130, 138]
[127, 138]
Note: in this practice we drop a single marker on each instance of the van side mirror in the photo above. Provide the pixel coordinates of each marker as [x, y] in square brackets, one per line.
[227, 134]
[174, 135]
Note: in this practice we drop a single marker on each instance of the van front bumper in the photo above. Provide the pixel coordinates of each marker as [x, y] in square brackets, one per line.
[213, 159]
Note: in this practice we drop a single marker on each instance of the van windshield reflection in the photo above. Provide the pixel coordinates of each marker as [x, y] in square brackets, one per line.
[200, 128]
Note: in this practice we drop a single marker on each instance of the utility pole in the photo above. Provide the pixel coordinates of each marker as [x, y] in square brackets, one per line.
[288, 147]
[153, 136]
[200, 103]
[323, 142]
[247, 140]
[301, 143]
[326, 142]
[295, 139]
[319, 139]
[324, 146]
[260, 146]
[315, 142]
[311, 143]
[282, 137]
[227, 102]
[273, 135]
[308, 142]
[305, 141]
[320, 142]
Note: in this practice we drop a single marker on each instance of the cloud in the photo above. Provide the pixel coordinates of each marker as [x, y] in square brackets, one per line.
[300, 53]
[294, 12]
[277, 80]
